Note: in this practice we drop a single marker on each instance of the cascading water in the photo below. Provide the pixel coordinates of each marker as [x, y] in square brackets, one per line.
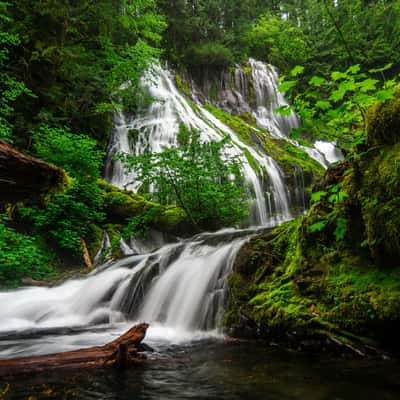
[265, 84]
[268, 98]
[181, 289]
[157, 127]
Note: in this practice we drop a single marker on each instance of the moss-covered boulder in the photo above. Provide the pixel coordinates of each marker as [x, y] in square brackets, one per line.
[379, 195]
[122, 205]
[384, 123]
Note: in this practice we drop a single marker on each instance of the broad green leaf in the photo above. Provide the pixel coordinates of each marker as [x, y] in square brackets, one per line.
[368, 84]
[354, 69]
[287, 85]
[318, 226]
[284, 110]
[317, 81]
[297, 70]
[336, 75]
[323, 105]
[317, 196]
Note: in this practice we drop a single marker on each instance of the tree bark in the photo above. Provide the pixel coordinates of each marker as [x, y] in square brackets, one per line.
[119, 353]
[25, 178]
[86, 256]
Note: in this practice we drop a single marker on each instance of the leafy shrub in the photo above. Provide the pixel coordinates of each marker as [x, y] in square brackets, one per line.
[199, 178]
[66, 218]
[22, 256]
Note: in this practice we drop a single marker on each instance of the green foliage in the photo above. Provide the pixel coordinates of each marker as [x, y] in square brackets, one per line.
[22, 256]
[67, 216]
[199, 177]
[210, 55]
[77, 154]
[11, 88]
[337, 108]
[333, 200]
[277, 41]
[207, 34]
[81, 60]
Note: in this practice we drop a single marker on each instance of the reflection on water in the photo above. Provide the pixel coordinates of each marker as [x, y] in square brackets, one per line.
[213, 369]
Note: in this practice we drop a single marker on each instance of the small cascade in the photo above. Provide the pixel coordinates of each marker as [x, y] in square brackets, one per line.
[181, 287]
[255, 91]
[157, 127]
[268, 98]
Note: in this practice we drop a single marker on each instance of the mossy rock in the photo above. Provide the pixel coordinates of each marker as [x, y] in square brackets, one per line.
[289, 157]
[380, 197]
[384, 123]
[122, 205]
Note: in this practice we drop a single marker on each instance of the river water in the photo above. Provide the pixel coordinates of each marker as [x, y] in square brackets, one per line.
[221, 369]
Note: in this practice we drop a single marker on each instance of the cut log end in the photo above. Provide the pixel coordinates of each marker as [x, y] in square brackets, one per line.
[119, 353]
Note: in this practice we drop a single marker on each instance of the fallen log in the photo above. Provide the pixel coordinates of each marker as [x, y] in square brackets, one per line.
[118, 353]
[23, 177]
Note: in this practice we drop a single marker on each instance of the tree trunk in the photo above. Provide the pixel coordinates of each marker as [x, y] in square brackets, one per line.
[118, 353]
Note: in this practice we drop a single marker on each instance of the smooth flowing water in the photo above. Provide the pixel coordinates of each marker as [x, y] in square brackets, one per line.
[181, 289]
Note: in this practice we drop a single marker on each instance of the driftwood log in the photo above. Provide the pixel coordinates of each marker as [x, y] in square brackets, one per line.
[118, 353]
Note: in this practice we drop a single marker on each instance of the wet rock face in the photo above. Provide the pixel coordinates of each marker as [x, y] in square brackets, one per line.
[23, 177]
[226, 90]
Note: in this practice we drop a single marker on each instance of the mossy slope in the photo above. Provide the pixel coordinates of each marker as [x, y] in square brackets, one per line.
[303, 280]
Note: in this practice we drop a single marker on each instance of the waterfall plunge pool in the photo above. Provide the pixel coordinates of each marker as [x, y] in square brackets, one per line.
[218, 369]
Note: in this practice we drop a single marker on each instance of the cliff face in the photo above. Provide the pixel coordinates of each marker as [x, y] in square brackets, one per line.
[25, 178]
[334, 274]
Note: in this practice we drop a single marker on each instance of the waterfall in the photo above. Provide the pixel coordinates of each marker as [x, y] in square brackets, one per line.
[268, 98]
[157, 126]
[181, 287]
[265, 84]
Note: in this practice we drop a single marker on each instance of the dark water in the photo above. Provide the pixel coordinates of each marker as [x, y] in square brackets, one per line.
[220, 370]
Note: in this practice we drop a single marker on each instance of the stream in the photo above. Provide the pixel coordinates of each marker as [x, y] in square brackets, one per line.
[218, 369]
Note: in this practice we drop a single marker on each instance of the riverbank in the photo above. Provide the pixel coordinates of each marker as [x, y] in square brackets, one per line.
[332, 277]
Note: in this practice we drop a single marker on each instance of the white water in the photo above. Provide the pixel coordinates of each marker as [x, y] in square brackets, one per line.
[157, 127]
[181, 290]
[268, 98]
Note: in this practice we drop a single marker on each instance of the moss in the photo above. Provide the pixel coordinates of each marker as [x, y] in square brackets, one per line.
[384, 123]
[182, 85]
[242, 130]
[295, 278]
[122, 205]
[213, 92]
[379, 194]
[171, 218]
[93, 239]
[289, 157]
